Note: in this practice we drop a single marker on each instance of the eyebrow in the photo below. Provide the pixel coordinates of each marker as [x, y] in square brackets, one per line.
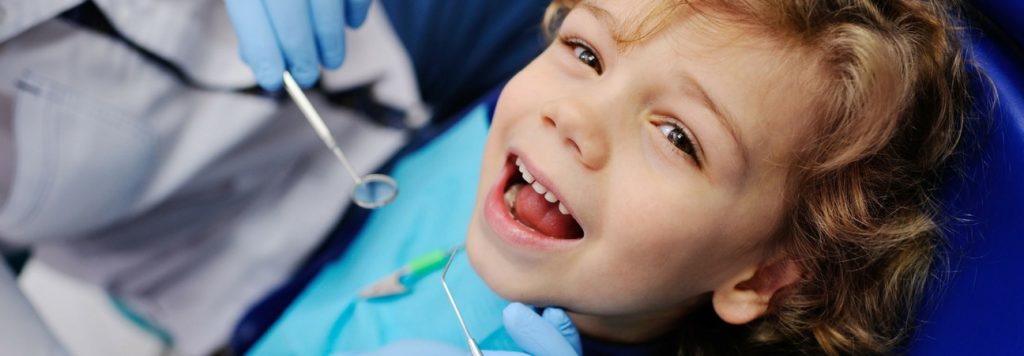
[604, 17]
[725, 118]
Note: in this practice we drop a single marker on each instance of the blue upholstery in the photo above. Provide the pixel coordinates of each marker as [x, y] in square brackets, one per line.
[980, 310]
[464, 48]
[1007, 15]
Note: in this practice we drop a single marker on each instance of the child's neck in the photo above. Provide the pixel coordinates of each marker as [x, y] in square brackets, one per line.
[628, 329]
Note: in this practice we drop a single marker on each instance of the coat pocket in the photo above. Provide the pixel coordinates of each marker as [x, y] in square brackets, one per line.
[79, 164]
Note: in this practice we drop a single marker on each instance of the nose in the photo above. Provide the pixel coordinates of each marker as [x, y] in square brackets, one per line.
[581, 128]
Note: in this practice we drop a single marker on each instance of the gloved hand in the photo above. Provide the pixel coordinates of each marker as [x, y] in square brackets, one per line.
[302, 35]
[551, 334]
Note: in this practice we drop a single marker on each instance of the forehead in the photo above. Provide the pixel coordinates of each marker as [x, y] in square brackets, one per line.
[629, 22]
[633, 21]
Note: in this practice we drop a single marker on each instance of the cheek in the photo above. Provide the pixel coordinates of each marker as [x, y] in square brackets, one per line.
[519, 95]
[665, 246]
[528, 90]
[674, 237]
[514, 104]
[642, 274]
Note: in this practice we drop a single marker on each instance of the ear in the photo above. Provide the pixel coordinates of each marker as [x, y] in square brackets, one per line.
[746, 297]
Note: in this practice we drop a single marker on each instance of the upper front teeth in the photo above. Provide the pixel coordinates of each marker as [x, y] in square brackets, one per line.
[539, 188]
[526, 174]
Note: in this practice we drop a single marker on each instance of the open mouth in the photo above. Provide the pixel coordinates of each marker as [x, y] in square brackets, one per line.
[533, 205]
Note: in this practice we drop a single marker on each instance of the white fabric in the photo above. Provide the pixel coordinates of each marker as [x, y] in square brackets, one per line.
[19, 15]
[188, 205]
[21, 330]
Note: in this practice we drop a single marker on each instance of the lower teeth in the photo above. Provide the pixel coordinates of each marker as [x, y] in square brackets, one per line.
[510, 197]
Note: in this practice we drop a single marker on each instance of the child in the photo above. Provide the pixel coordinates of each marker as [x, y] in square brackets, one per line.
[701, 177]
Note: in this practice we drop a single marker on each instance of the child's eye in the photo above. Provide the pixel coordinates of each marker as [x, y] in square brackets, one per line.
[585, 54]
[680, 138]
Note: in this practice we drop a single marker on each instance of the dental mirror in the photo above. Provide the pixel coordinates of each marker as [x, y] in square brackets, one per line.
[375, 191]
[474, 349]
[370, 192]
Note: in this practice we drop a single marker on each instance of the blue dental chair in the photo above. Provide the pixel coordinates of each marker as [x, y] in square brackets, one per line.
[980, 308]
[977, 310]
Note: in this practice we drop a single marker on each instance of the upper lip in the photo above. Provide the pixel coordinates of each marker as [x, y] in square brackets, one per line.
[540, 176]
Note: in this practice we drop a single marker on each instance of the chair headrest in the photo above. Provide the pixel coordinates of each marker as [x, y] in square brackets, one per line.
[978, 311]
[1008, 15]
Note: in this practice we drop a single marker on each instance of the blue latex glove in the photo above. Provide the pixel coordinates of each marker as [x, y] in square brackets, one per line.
[549, 334]
[302, 35]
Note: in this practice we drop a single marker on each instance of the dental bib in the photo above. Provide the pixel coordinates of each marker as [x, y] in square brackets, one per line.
[329, 316]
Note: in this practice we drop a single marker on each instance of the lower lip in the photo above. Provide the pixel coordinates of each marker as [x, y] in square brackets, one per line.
[497, 216]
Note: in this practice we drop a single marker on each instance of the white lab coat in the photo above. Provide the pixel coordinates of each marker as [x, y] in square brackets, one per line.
[188, 205]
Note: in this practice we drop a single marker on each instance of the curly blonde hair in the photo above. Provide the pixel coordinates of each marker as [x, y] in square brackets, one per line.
[864, 223]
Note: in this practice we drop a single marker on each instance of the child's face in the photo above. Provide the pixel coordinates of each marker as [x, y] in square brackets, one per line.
[671, 156]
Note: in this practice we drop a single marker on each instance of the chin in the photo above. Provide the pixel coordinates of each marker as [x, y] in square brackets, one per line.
[490, 265]
[502, 277]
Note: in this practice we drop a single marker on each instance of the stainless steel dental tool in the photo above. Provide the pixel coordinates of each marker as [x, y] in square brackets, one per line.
[370, 192]
[474, 349]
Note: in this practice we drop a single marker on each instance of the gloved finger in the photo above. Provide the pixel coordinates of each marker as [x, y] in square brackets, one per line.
[330, 31]
[534, 334]
[356, 11]
[256, 41]
[294, 29]
[560, 320]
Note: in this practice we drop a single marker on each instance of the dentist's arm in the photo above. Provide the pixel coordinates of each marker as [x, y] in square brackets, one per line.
[298, 35]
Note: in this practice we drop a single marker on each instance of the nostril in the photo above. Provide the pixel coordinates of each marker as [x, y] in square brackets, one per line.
[576, 147]
[549, 121]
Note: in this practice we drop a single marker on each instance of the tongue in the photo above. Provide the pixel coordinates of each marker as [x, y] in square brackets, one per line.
[535, 212]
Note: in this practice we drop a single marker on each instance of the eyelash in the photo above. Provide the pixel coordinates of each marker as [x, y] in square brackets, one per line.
[681, 140]
[593, 60]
